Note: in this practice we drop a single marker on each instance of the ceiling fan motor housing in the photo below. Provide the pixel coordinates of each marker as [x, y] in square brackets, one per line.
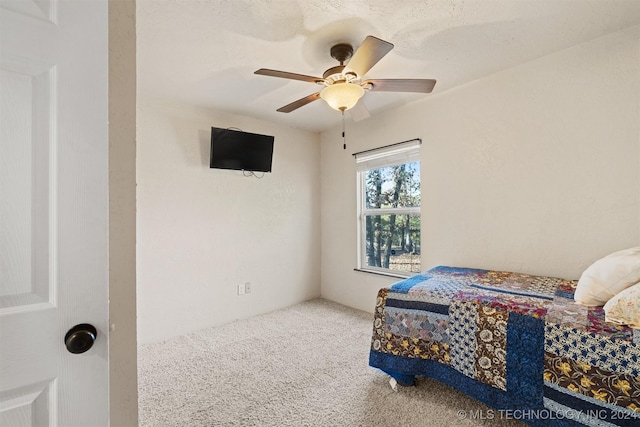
[341, 52]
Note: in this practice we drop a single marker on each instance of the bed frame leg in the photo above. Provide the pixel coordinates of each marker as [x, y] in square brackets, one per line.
[401, 379]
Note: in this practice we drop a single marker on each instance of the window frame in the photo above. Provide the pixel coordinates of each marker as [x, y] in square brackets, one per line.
[391, 155]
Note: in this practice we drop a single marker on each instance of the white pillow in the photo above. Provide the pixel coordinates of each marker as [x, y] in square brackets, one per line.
[624, 308]
[608, 276]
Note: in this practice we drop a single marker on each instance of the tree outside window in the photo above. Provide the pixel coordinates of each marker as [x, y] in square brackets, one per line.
[389, 214]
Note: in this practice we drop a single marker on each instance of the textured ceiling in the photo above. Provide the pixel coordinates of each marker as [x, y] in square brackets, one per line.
[204, 52]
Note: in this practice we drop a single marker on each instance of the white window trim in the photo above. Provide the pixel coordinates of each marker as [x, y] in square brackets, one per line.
[391, 155]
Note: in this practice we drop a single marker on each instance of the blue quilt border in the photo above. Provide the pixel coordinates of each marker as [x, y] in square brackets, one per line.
[397, 366]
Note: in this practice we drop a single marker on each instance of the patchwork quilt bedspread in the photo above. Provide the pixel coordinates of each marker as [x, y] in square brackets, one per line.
[513, 341]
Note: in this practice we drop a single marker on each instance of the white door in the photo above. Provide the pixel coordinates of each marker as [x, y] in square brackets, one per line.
[53, 211]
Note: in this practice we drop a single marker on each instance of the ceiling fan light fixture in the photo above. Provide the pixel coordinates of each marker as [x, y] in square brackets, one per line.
[342, 96]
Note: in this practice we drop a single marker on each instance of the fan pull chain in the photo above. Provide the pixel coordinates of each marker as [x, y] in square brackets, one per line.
[344, 138]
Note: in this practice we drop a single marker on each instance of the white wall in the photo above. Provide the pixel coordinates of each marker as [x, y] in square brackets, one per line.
[202, 231]
[533, 169]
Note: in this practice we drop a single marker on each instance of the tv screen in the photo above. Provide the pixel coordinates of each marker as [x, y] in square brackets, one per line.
[238, 150]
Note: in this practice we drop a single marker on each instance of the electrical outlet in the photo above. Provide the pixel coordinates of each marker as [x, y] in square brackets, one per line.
[241, 289]
[247, 287]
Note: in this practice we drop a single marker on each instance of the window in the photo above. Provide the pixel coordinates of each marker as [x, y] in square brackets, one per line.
[389, 208]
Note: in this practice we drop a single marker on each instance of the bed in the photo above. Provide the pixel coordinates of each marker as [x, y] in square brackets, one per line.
[516, 342]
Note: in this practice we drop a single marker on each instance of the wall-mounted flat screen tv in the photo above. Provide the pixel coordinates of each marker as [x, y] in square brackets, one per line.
[238, 150]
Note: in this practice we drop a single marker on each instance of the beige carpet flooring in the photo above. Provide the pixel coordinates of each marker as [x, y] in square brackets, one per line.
[305, 365]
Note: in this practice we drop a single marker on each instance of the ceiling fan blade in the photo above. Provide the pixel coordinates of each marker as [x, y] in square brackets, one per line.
[299, 103]
[359, 111]
[287, 75]
[368, 54]
[400, 85]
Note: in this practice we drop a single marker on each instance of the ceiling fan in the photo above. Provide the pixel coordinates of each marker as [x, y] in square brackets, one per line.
[344, 84]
